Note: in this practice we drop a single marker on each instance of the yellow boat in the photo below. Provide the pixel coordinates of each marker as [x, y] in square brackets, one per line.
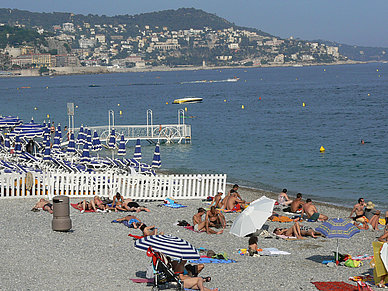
[188, 100]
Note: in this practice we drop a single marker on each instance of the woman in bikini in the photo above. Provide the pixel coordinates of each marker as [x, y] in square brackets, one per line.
[117, 204]
[292, 231]
[147, 230]
[98, 203]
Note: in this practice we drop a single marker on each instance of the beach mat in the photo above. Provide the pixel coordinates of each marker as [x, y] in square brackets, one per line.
[125, 222]
[333, 286]
[75, 207]
[175, 205]
[288, 237]
[136, 236]
[206, 260]
[192, 228]
[142, 280]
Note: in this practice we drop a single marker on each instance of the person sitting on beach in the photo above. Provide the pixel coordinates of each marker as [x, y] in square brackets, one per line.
[131, 219]
[358, 209]
[234, 204]
[44, 204]
[215, 218]
[292, 231]
[117, 204]
[217, 201]
[252, 245]
[297, 203]
[312, 212]
[131, 205]
[200, 225]
[147, 230]
[372, 215]
[234, 190]
[180, 267]
[98, 204]
[283, 198]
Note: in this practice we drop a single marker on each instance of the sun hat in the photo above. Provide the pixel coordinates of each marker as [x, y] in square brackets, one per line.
[220, 191]
[370, 205]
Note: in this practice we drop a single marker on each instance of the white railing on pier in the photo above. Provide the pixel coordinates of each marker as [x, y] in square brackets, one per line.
[48, 185]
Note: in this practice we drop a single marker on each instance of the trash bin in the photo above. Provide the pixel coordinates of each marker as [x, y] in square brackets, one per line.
[61, 213]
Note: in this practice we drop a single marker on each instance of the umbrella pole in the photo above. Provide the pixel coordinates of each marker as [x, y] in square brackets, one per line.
[337, 255]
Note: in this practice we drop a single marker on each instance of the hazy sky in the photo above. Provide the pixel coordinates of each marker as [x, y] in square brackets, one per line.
[354, 22]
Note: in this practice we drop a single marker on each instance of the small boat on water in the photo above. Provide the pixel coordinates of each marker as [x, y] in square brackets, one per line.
[233, 79]
[188, 100]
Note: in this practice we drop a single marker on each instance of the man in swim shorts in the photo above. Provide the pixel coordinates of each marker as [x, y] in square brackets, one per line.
[312, 212]
[44, 204]
[200, 225]
[130, 219]
[358, 209]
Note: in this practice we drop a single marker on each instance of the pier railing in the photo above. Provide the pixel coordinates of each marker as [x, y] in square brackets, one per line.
[48, 185]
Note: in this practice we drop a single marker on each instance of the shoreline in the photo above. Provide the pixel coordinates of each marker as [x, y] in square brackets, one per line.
[68, 71]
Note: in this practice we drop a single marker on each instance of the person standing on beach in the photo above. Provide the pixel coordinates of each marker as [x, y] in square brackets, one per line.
[359, 210]
[312, 212]
[296, 203]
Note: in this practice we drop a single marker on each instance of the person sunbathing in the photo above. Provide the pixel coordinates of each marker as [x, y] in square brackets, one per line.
[117, 204]
[84, 205]
[203, 225]
[180, 267]
[297, 203]
[44, 204]
[98, 204]
[191, 282]
[312, 212]
[283, 198]
[132, 220]
[215, 219]
[147, 230]
[131, 205]
[217, 201]
[308, 231]
[292, 231]
[233, 203]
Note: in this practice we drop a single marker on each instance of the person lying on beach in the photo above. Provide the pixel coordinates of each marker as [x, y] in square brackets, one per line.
[297, 203]
[44, 204]
[312, 212]
[292, 231]
[180, 267]
[253, 248]
[217, 201]
[215, 218]
[132, 220]
[283, 198]
[147, 230]
[85, 205]
[131, 205]
[189, 282]
[281, 218]
[308, 231]
[98, 204]
[358, 209]
[372, 215]
[200, 225]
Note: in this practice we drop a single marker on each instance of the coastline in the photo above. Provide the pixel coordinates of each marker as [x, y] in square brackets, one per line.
[65, 71]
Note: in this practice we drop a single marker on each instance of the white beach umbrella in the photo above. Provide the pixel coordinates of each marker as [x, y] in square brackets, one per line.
[253, 217]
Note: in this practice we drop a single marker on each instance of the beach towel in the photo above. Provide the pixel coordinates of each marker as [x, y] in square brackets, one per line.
[175, 205]
[136, 236]
[274, 251]
[125, 222]
[288, 237]
[362, 258]
[143, 280]
[75, 206]
[281, 218]
[207, 260]
[333, 286]
[192, 228]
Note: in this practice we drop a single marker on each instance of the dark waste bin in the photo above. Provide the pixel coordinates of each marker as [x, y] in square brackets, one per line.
[61, 213]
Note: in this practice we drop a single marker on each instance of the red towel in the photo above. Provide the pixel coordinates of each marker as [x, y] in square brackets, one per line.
[332, 286]
[135, 236]
[75, 206]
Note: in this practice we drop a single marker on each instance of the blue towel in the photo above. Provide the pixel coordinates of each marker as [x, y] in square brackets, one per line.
[211, 261]
[175, 205]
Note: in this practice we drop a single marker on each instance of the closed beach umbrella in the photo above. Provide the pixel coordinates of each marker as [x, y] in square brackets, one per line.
[89, 138]
[156, 162]
[71, 145]
[169, 245]
[57, 142]
[253, 217]
[96, 142]
[337, 228]
[81, 137]
[122, 151]
[59, 130]
[137, 155]
[18, 146]
[85, 154]
[112, 140]
[7, 143]
[47, 151]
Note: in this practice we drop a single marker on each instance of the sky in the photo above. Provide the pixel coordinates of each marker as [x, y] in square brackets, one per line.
[353, 22]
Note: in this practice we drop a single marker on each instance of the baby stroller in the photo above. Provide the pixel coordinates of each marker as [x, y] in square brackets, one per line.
[164, 275]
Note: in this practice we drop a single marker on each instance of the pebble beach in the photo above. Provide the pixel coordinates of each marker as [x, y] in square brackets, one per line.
[99, 255]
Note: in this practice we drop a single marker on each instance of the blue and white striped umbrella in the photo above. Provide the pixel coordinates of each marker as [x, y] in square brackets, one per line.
[18, 146]
[112, 140]
[59, 130]
[137, 155]
[96, 142]
[85, 154]
[337, 228]
[71, 145]
[122, 151]
[169, 245]
[81, 136]
[9, 121]
[57, 142]
[89, 138]
[47, 151]
[28, 130]
[7, 143]
[156, 162]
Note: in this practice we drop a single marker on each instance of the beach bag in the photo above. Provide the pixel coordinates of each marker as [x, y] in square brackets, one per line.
[210, 253]
[353, 264]
[183, 223]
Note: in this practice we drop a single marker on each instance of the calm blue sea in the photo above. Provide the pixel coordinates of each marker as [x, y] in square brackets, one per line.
[271, 143]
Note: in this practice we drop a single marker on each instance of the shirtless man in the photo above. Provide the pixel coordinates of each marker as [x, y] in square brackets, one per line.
[234, 190]
[131, 219]
[312, 212]
[203, 225]
[215, 218]
[359, 210]
[297, 203]
[217, 199]
[147, 230]
[233, 203]
[44, 204]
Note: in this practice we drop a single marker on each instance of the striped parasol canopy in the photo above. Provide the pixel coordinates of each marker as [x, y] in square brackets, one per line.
[156, 162]
[96, 142]
[112, 140]
[89, 138]
[47, 151]
[9, 121]
[57, 141]
[59, 130]
[7, 143]
[85, 154]
[81, 135]
[71, 145]
[137, 155]
[28, 130]
[18, 146]
[122, 151]
[169, 245]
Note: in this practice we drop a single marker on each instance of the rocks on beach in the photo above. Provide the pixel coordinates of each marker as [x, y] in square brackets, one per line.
[97, 254]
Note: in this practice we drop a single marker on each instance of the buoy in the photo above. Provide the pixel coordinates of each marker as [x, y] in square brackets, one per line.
[377, 70]
[259, 98]
[121, 112]
[35, 108]
[245, 80]
[304, 104]
[296, 78]
[118, 104]
[242, 106]
[46, 87]
[368, 94]
[324, 70]
[48, 116]
[185, 108]
[166, 102]
[322, 149]
[76, 106]
[224, 100]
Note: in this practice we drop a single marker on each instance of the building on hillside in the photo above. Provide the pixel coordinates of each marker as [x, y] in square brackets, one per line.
[101, 38]
[34, 60]
[68, 27]
[66, 61]
[27, 50]
[233, 46]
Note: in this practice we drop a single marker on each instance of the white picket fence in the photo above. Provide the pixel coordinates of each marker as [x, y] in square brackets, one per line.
[48, 185]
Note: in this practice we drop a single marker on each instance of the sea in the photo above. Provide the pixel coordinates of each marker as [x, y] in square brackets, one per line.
[264, 130]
